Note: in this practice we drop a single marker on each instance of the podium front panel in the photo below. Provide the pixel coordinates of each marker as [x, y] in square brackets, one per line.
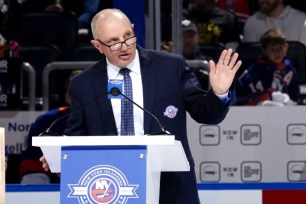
[109, 174]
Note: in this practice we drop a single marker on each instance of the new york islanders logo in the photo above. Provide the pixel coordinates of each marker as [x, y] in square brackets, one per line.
[170, 111]
[103, 184]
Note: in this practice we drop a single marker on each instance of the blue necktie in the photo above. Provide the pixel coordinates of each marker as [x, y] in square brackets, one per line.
[127, 117]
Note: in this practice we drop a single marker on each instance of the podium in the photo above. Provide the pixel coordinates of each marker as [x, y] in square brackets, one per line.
[112, 169]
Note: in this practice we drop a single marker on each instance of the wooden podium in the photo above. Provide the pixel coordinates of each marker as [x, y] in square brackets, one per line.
[112, 169]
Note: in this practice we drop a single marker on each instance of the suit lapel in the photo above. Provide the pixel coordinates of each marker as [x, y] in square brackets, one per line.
[100, 81]
[148, 74]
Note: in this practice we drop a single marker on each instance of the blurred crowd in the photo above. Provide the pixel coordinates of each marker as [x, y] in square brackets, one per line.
[243, 26]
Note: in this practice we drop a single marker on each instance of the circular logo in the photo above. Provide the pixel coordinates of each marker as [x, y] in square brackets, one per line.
[103, 184]
[170, 111]
[103, 190]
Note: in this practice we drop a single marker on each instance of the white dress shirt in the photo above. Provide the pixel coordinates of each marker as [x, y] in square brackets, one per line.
[113, 73]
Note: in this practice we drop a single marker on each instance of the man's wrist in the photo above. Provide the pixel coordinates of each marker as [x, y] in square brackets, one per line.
[225, 97]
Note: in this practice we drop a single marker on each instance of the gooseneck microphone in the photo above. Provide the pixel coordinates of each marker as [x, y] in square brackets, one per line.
[48, 131]
[115, 92]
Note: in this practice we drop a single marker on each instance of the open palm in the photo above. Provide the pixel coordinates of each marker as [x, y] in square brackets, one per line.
[222, 74]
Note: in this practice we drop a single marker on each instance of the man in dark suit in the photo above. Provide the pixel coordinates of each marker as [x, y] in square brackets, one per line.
[162, 84]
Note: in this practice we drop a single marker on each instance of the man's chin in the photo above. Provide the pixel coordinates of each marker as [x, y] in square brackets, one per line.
[123, 63]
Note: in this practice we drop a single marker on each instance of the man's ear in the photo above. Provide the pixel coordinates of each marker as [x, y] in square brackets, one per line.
[132, 26]
[97, 45]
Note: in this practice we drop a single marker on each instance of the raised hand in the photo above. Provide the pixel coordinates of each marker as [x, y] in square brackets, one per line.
[222, 74]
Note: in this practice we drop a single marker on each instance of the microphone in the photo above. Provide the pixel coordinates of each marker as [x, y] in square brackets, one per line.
[48, 131]
[116, 91]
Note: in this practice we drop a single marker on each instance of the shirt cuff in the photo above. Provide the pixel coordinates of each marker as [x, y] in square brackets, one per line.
[225, 97]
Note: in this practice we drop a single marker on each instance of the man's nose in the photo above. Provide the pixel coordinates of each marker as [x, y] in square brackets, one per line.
[124, 46]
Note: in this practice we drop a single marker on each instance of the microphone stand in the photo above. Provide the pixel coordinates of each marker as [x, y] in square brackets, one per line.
[114, 92]
[48, 130]
[162, 131]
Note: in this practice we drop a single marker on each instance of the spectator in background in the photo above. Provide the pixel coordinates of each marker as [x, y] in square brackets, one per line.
[191, 51]
[83, 9]
[31, 171]
[272, 77]
[239, 7]
[275, 14]
[85, 12]
[190, 36]
[9, 15]
[215, 25]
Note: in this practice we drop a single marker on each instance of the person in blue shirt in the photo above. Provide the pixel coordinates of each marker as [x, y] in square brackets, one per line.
[271, 72]
[31, 171]
[83, 9]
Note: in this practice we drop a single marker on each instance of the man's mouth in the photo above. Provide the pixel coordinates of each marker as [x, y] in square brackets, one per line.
[124, 56]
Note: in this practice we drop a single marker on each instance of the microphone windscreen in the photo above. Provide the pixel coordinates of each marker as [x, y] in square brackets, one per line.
[114, 88]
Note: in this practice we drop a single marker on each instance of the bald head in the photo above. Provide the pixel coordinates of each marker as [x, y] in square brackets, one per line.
[111, 27]
[105, 15]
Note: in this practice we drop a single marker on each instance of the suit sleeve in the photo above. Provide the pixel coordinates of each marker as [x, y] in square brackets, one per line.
[203, 107]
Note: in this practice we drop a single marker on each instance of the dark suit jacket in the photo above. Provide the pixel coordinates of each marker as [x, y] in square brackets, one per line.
[167, 81]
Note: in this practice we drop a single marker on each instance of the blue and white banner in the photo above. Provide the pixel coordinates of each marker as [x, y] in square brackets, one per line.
[103, 175]
[17, 125]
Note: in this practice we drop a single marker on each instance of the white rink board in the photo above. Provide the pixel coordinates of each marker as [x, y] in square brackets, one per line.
[252, 144]
[272, 148]
[231, 196]
[17, 125]
[207, 196]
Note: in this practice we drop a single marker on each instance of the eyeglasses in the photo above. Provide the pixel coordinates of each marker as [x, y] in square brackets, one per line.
[117, 46]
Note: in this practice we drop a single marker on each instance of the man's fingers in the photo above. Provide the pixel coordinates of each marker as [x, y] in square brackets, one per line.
[222, 57]
[237, 66]
[227, 57]
[45, 166]
[233, 60]
[212, 66]
[44, 163]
